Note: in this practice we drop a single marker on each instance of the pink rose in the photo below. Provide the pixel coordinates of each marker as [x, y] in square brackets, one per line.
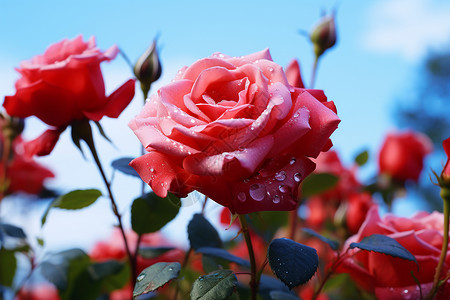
[389, 277]
[402, 155]
[233, 129]
[65, 84]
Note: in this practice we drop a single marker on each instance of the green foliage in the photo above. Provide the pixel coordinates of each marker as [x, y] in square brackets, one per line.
[150, 213]
[292, 263]
[76, 277]
[153, 252]
[155, 277]
[280, 295]
[362, 158]
[8, 264]
[202, 234]
[223, 254]
[267, 223]
[73, 200]
[318, 183]
[215, 286]
[384, 244]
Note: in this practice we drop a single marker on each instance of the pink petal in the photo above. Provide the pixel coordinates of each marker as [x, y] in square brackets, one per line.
[293, 74]
[196, 68]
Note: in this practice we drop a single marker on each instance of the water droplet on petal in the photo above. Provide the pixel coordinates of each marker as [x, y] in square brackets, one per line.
[280, 176]
[192, 121]
[292, 161]
[276, 199]
[257, 191]
[140, 277]
[170, 269]
[297, 177]
[270, 69]
[283, 188]
[246, 180]
[241, 196]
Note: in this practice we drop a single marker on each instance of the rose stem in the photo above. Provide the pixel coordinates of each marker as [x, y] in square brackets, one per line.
[445, 195]
[314, 71]
[90, 142]
[183, 266]
[251, 254]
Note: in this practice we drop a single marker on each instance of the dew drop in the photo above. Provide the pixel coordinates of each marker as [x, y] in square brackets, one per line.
[140, 277]
[276, 199]
[152, 170]
[297, 177]
[280, 176]
[246, 180]
[257, 191]
[241, 196]
[200, 286]
[170, 269]
[283, 188]
[192, 121]
[292, 161]
[271, 70]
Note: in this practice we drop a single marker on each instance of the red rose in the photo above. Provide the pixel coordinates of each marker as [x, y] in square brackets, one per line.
[402, 155]
[233, 129]
[65, 84]
[23, 173]
[357, 208]
[38, 292]
[389, 277]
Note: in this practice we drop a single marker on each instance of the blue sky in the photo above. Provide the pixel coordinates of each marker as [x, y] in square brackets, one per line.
[380, 44]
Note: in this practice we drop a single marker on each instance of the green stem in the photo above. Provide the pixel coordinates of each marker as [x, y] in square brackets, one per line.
[90, 142]
[314, 71]
[183, 266]
[251, 254]
[445, 194]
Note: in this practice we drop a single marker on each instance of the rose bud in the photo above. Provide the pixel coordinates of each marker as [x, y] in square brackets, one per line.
[445, 175]
[402, 154]
[323, 35]
[148, 68]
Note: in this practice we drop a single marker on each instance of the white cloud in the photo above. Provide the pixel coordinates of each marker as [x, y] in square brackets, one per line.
[408, 27]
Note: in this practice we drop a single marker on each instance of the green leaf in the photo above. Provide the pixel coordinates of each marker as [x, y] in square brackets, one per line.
[267, 223]
[40, 241]
[11, 231]
[292, 263]
[332, 243]
[223, 254]
[384, 244]
[318, 183]
[151, 213]
[279, 295]
[268, 284]
[112, 274]
[215, 286]
[202, 234]
[153, 252]
[211, 264]
[155, 277]
[73, 200]
[122, 165]
[8, 265]
[362, 158]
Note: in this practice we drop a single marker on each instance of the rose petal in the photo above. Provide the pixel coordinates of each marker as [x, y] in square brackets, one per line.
[293, 74]
[43, 144]
[196, 68]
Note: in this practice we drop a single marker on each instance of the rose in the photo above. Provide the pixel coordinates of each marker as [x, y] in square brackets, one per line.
[42, 291]
[389, 277]
[357, 207]
[445, 174]
[293, 74]
[233, 129]
[65, 84]
[23, 173]
[402, 154]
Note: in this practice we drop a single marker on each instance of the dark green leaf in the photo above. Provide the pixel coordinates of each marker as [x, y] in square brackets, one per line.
[318, 183]
[292, 263]
[384, 244]
[150, 213]
[211, 264]
[332, 243]
[102, 132]
[122, 165]
[112, 273]
[224, 254]
[279, 295]
[268, 284]
[215, 286]
[73, 200]
[8, 265]
[40, 241]
[155, 277]
[362, 158]
[153, 252]
[202, 234]
[267, 223]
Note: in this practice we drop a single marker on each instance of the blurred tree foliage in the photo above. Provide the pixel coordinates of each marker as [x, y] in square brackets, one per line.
[426, 108]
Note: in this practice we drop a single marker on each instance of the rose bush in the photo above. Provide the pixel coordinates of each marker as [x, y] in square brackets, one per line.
[401, 155]
[390, 277]
[63, 85]
[234, 129]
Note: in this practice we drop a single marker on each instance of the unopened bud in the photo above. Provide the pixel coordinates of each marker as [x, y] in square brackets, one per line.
[148, 68]
[445, 175]
[323, 35]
